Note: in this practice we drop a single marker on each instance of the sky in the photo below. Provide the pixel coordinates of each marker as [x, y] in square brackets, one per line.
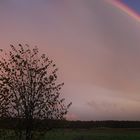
[133, 4]
[95, 44]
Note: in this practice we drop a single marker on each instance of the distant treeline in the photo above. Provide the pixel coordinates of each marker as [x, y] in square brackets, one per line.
[49, 124]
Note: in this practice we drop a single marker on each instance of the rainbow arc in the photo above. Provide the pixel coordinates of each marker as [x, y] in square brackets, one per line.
[125, 8]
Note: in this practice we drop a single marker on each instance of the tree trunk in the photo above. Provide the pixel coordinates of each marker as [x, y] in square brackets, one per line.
[28, 134]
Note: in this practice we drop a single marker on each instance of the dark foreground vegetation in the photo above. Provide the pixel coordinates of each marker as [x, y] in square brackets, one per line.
[29, 90]
[94, 134]
[73, 130]
[64, 124]
[79, 134]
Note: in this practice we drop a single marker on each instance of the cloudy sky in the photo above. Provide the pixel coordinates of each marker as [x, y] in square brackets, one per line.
[95, 44]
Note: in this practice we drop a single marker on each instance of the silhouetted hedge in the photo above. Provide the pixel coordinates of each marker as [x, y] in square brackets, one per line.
[10, 123]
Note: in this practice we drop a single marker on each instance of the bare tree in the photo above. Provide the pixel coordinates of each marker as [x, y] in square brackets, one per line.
[29, 88]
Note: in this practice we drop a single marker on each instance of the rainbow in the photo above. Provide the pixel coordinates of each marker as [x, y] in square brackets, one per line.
[125, 8]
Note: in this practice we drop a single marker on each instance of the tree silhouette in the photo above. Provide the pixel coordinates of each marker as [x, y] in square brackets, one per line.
[28, 87]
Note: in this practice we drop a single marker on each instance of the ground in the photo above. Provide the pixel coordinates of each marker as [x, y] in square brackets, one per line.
[90, 134]
[95, 134]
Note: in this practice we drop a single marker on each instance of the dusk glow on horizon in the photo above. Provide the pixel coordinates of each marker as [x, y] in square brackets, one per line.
[94, 43]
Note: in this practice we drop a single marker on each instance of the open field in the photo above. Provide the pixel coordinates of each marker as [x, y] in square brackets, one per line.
[88, 134]
[94, 134]
[74, 130]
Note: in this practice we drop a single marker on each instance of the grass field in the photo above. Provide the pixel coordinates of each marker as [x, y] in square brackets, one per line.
[94, 134]
[91, 134]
